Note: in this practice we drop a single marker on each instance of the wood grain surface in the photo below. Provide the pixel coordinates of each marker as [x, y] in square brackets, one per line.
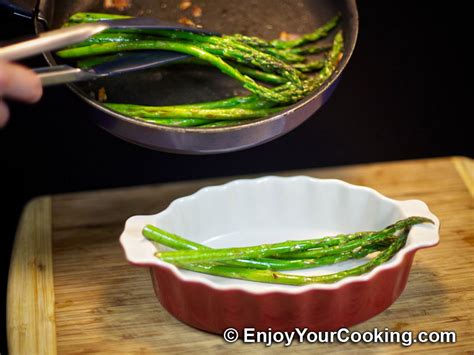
[104, 305]
[30, 294]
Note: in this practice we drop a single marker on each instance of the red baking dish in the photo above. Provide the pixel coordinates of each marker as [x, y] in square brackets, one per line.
[272, 209]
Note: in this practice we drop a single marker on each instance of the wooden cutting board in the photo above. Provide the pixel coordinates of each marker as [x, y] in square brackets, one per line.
[71, 291]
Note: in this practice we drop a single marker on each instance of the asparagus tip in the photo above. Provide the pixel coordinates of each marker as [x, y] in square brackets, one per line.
[420, 220]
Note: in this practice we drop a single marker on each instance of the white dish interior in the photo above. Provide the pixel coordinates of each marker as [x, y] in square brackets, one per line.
[275, 209]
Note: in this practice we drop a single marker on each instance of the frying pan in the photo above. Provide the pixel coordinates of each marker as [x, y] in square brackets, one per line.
[186, 84]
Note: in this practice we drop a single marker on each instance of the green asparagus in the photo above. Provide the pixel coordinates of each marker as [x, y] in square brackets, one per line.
[246, 59]
[268, 250]
[178, 112]
[320, 33]
[251, 106]
[179, 243]
[106, 48]
[268, 276]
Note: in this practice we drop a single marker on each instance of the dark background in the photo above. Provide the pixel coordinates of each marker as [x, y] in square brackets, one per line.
[400, 98]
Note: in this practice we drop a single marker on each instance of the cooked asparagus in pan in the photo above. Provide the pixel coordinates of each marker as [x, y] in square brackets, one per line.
[277, 73]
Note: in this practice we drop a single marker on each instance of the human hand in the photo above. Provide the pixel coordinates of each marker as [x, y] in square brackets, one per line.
[18, 83]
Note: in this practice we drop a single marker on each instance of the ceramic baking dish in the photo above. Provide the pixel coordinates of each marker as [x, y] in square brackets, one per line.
[273, 209]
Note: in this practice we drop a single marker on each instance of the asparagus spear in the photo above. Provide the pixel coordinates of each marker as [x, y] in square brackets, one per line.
[260, 75]
[268, 276]
[206, 50]
[318, 34]
[255, 42]
[302, 263]
[239, 53]
[239, 42]
[309, 50]
[91, 62]
[371, 238]
[251, 102]
[116, 37]
[252, 72]
[286, 56]
[225, 47]
[314, 36]
[266, 250]
[149, 112]
[262, 45]
[174, 241]
[216, 49]
[238, 48]
[311, 66]
[105, 48]
[289, 56]
[291, 93]
[80, 17]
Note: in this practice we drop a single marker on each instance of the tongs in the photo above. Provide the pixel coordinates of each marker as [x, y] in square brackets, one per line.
[67, 36]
